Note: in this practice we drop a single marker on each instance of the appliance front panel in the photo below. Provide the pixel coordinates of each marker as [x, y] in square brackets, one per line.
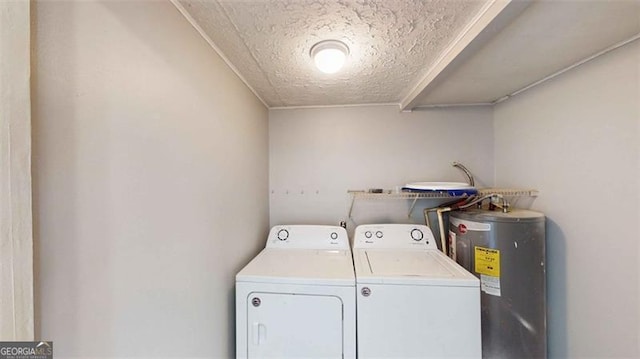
[403, 321]
[286, 325]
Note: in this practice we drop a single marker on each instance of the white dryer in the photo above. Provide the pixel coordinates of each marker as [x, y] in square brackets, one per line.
[413, 301]
[296, 298]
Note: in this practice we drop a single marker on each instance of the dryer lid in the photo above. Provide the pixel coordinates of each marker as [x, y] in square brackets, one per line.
[427, 267]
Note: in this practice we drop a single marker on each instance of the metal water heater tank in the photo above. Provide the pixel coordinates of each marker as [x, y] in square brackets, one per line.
[507, 252]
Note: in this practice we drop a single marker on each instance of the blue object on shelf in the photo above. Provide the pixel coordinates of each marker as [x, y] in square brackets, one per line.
[455, 189]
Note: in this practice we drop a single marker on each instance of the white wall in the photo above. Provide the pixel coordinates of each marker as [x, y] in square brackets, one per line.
[577, 139]
[316, 155]
[150, 159]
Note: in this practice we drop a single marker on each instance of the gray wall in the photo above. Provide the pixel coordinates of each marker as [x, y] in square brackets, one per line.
[150, 164]
[577, 139]
[151, 181]
[316, 155]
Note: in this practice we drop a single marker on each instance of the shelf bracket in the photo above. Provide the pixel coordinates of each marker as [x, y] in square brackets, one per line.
[413, 205]
[353, 200]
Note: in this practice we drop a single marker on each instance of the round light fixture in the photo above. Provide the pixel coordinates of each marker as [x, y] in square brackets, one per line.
[329, 55]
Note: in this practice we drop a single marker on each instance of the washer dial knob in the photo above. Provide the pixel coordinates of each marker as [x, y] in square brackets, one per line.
[334, 235]
[417, 234]
[283, 234]
[379, 234]
[368, 234]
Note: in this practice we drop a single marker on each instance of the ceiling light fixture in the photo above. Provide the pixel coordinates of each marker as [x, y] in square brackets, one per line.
[329, 55]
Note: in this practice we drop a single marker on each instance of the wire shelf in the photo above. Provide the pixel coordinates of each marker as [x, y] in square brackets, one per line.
[415, 196]
[510, 192]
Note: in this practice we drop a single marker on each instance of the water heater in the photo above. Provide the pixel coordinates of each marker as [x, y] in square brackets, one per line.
[507, 252]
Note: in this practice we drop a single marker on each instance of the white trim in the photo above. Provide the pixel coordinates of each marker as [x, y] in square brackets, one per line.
[195, 25]
[388, 104]
[16, 223]
[487, 14]
[570, 67]
[332, 106]
[445, 105]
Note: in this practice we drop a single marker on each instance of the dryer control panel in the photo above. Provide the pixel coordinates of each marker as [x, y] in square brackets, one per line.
[394, 236]
[308, 237]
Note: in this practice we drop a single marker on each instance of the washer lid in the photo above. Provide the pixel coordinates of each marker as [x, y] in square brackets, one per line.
[428, 267]
[300, 266]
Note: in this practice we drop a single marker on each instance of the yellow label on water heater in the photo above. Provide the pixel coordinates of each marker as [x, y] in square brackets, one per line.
[487, 261]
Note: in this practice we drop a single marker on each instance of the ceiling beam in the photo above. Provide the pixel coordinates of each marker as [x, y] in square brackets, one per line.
[493, 16]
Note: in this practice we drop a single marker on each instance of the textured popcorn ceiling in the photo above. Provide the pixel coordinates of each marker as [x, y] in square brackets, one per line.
[392, 44]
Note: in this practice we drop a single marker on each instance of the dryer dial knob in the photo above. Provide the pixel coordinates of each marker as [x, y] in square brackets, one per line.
[283, 234]
[417, 234]
[368, 234]
[379, 234]
[334, 235]
[365, 291]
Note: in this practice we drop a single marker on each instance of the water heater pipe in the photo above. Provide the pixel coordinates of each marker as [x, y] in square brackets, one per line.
[466, 203]
[466, 172]
[443, 242]
[439, 211]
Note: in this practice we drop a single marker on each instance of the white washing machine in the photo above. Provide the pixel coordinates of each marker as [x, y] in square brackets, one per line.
[413, 301]
[296, 299]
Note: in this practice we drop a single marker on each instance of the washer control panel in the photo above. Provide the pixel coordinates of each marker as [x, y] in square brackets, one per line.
[308, 237]
[394, 236]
